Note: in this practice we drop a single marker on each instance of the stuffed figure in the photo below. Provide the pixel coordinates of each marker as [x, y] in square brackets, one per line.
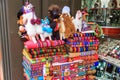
[84, 14]
[69, 26]
[31, 22]
[45, 25]
[78, 21]
[84, 20]
[22, 32]
[66, 23]
[62, 28]
[28, 15]
[46, 28]
[53, 15]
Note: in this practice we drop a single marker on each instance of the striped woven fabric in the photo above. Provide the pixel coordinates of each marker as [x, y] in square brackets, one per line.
[33, 78]
[43, 44]
[81, 42]
[45, 52]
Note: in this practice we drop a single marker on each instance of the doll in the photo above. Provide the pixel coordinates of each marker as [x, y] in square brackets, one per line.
[53, 15]
[27, 16]
[32, 23]
[66, 10]
[22, 32]
[66, 28]
[84, 19]
[78, 21]
[47, 30]
[69, 26]
[62, 28]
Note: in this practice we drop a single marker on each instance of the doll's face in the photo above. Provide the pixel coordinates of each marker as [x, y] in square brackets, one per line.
[54, 13]
[78, 14]
[28, 8]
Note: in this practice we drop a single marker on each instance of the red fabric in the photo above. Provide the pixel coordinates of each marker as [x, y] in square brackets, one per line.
[56, 28]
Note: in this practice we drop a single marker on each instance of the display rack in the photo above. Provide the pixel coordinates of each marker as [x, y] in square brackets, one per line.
[109, 54]
[46, 56]
[105, 16]
[45, 68]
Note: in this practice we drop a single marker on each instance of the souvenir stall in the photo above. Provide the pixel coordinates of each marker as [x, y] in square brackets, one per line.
[60, 46]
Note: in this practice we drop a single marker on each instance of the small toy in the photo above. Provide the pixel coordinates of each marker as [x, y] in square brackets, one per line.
[84, 20]
[47, 30]
[62, 28]
[69, 26]
[53, 15]
[31, 22]
[78, 21]
[84, 14]
[22, 32]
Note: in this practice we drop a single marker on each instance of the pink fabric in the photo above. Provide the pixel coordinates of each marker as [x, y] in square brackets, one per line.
[30, 44]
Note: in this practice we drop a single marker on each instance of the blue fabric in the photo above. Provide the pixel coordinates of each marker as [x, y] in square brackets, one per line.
[96, 64]
[45, 21]
[47, 29]
[40, 78]
[45, 25]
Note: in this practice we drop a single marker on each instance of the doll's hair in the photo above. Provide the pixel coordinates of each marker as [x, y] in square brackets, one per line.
[20, 13]
[54, 12]
[69, 26]
[53, 6]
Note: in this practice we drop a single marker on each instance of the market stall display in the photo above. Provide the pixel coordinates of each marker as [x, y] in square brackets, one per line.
[54, 49]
